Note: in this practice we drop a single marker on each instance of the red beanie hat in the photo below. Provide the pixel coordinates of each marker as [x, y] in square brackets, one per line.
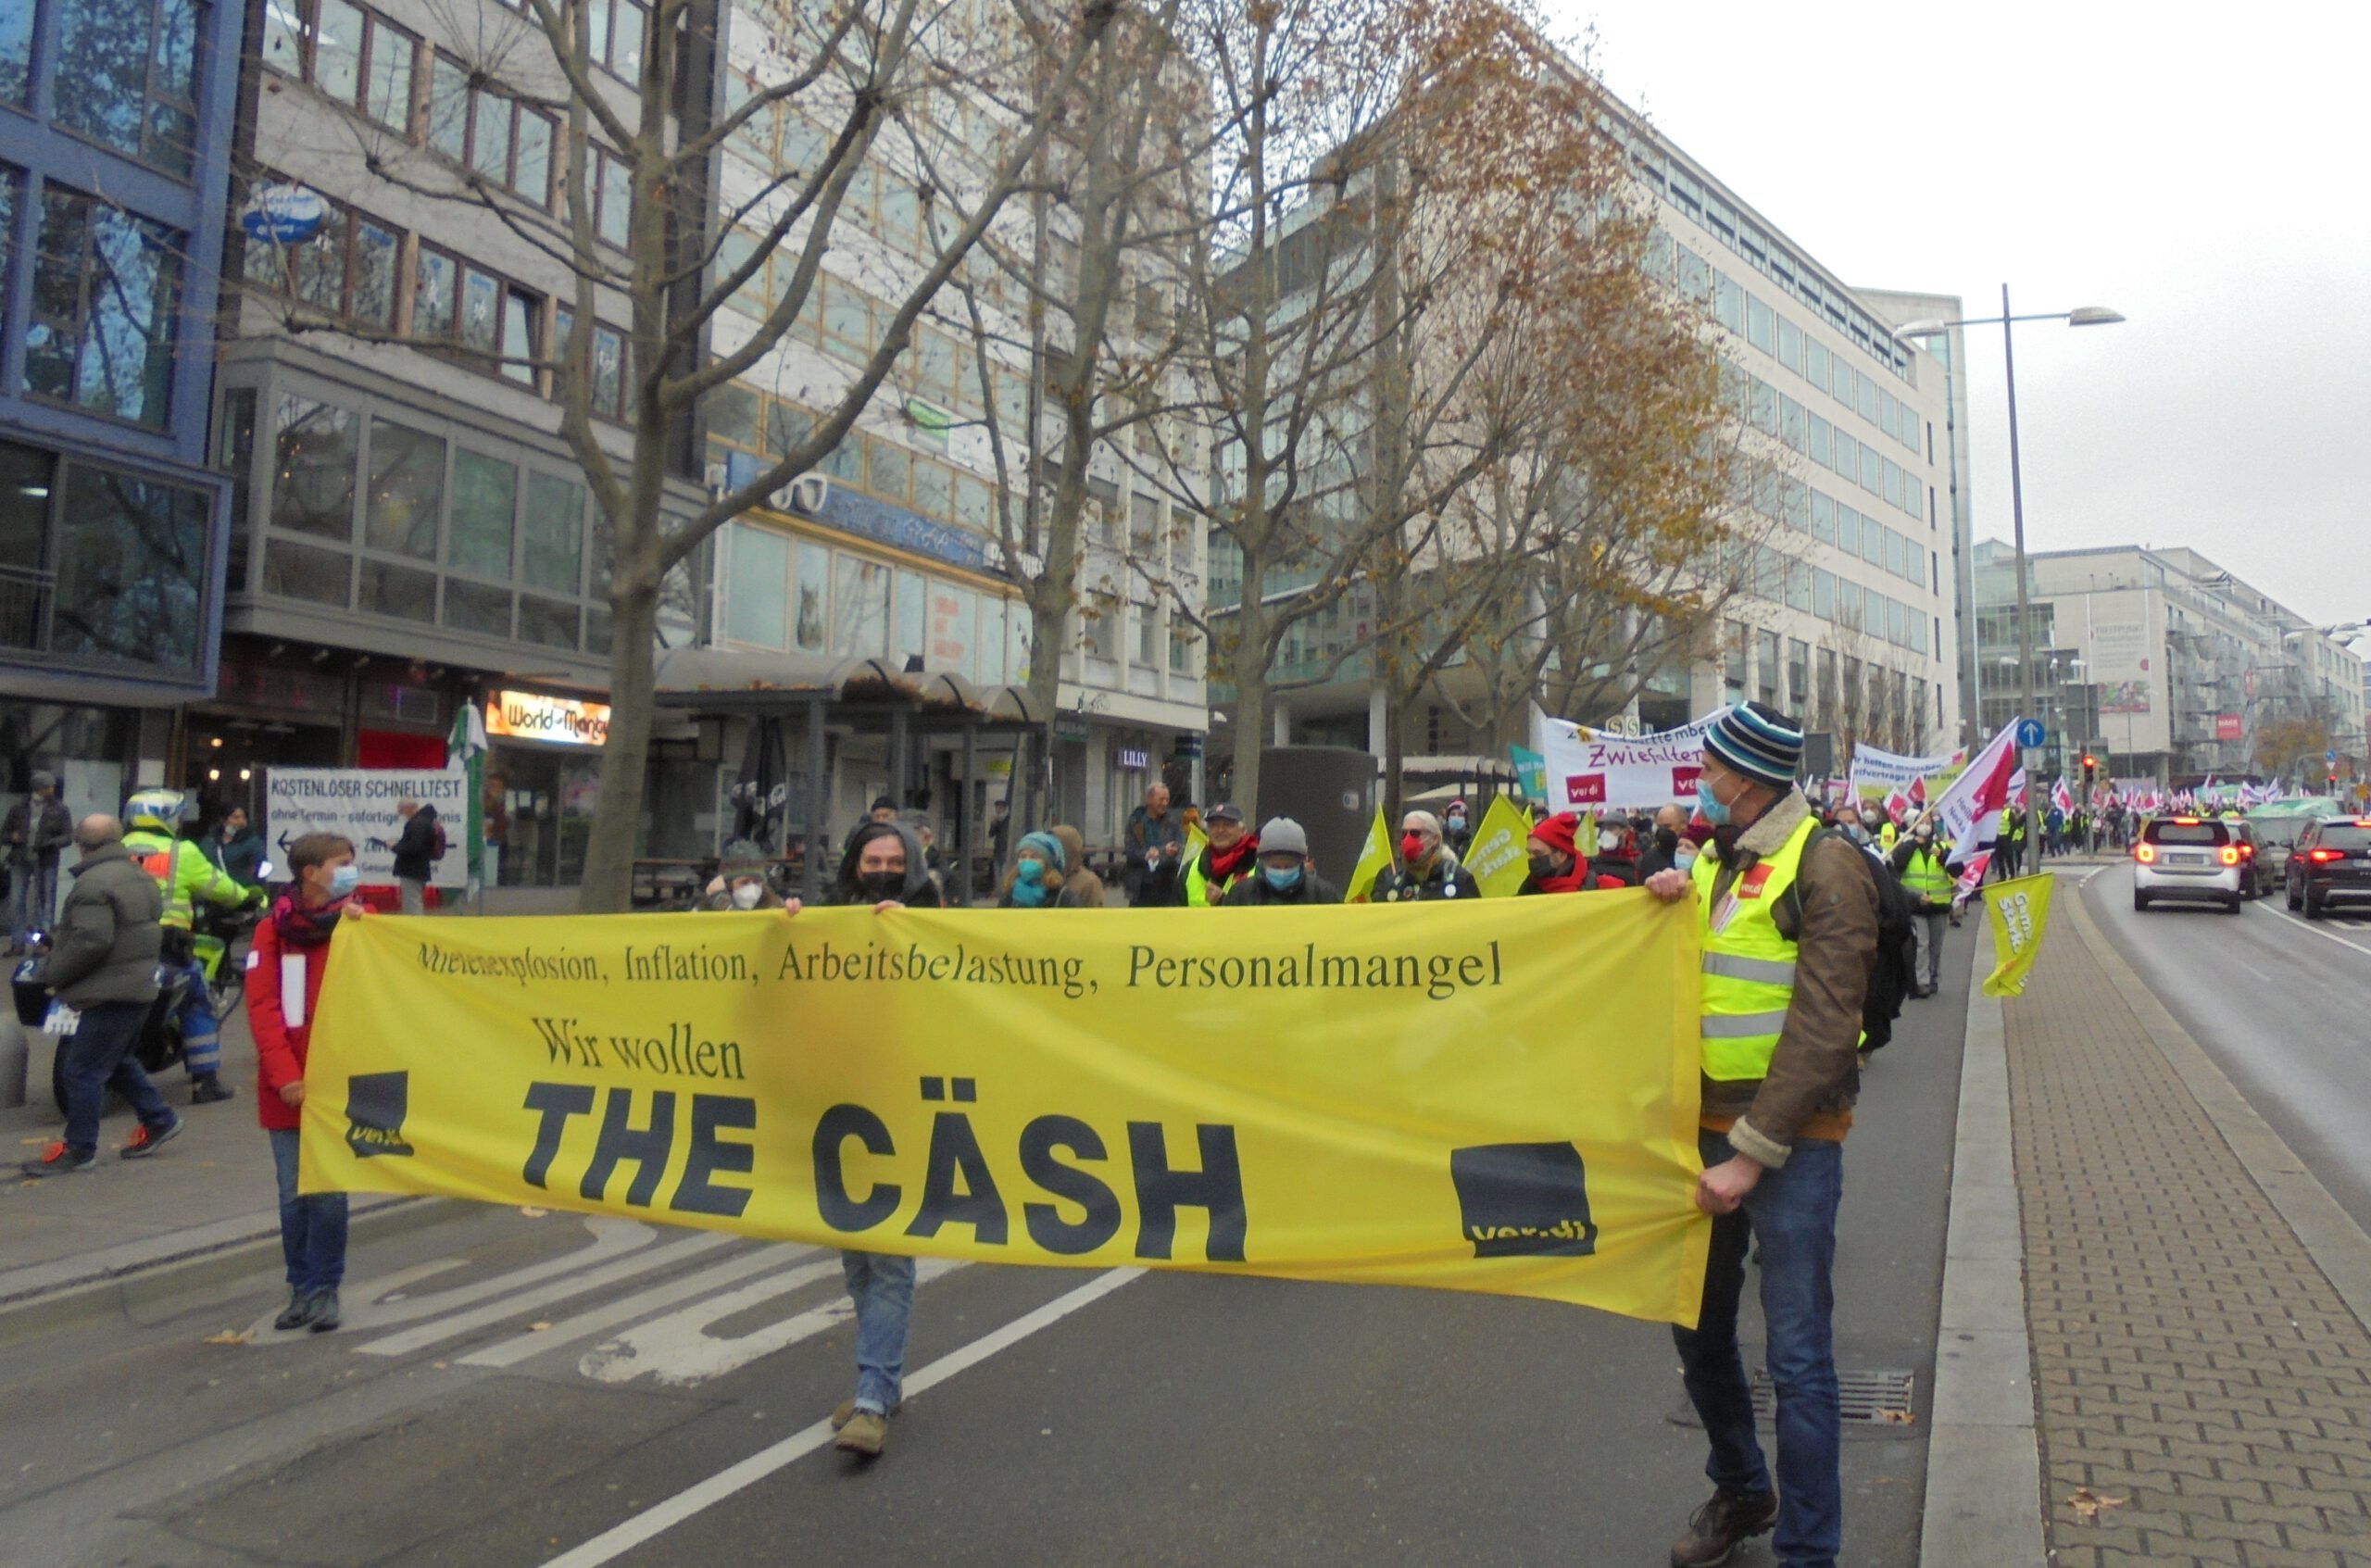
[1558, 833]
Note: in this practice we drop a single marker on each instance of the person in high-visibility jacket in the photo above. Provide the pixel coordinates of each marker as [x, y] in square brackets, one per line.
[1231, 854]
[1926, 877]
[1788, 928]
[184, 876]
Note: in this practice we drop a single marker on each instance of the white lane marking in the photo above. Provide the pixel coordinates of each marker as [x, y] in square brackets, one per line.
[510, 1352]
[618, 1539]
[458, 1324]
[2319, 931]
[678, 1351]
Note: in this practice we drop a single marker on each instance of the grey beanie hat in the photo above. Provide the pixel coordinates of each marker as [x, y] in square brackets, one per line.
[739, 858]
[1282, 836]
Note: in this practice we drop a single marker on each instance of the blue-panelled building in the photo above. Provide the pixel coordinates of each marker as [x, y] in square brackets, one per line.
[115, 131]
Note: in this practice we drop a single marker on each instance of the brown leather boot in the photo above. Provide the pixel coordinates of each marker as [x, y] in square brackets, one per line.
[1734, 1514]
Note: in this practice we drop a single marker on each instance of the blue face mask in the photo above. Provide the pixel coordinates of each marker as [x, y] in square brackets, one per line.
[1684, 858]
[1029, 874]
[1708, 805]
[344, 879]
[1284, 879]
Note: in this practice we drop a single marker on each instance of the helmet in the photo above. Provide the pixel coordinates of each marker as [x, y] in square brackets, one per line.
[158, 809]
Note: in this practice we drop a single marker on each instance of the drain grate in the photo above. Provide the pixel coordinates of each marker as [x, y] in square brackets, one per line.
[1871, 1399]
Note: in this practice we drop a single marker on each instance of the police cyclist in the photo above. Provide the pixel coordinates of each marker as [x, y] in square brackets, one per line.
[184, 876]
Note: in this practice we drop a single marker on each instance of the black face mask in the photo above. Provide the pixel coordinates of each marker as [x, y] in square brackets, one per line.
[877, 885]
[1667, 840]
[1543, 866]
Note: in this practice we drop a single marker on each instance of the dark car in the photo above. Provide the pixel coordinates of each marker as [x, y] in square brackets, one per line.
[2275, 835]
[2331, 864]
[2257, 879]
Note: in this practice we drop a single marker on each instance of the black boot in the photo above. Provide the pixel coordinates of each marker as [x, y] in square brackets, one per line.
[324, 1316]
[1734, 1514]
[297, 1313]
[211, 1090]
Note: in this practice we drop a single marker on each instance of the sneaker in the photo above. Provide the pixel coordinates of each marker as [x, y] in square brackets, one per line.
[211, 1091]
[1734, 1514]
[324, 1317]
[58, 1160]
[841, 1416]
[145, 1141]
[297, 1313]
[867, 1433]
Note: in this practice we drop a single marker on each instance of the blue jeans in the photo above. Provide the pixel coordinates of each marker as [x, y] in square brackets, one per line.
[883, 1288]
[312, 1226]
[33, 899]
[99, 1058]
[1791, 1211]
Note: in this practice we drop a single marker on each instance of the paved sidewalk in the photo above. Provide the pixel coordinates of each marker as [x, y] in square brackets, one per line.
[2204, 1389]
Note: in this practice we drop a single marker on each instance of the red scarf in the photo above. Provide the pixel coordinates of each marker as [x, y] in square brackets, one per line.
[1573, 881]
[1218, 866]
[302, 927]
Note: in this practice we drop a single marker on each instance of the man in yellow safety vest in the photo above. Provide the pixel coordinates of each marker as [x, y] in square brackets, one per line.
[1918, 860]
[1789, 931]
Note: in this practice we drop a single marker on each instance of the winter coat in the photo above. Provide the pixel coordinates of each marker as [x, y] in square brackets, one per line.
[283, 993]
[1146, 884]
[1815, 1067]
[107, 936]
[185, 875]
[1081, 888]
[35, 831]
[1253, 893]
[416, 847]
[237, 856]
[1444, 879]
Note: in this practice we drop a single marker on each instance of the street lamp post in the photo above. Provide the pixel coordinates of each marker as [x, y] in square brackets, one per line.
[2082, 316]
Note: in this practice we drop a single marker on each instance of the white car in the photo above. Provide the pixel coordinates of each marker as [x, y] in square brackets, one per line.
[2196, 858]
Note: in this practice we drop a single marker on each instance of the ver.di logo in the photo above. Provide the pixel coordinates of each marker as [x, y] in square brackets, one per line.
[1524, 1199]
[375, 1103]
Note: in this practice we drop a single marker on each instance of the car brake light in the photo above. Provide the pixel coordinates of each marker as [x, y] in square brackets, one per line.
[2323, 856]
[2145, 852]
[2230, 855]
[2248, 851]
[2187, 821]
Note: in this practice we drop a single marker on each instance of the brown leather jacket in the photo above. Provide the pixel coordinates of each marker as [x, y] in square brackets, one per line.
[1815, 1070]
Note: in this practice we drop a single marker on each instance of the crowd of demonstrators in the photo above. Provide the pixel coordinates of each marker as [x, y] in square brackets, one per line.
[186, 878]
[1427, 870]
[284, 973]
[1227, 857]
[102, 962]
[1286, 874]
[1920, 864]
[35, 834]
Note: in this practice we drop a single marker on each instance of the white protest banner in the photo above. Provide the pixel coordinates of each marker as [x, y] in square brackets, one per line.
[360, 803]
[1875, 773]
[1588, 770]
[1969, 812]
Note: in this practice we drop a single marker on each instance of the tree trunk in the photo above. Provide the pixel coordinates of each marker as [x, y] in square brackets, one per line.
[1394, 758]
[1252, 696]
[616, 816]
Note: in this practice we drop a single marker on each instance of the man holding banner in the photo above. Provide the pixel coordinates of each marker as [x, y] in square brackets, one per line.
[1789, 934]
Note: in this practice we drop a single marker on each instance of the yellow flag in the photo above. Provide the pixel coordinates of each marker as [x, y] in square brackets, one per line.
[2020, 918]
[1196, 842]
[1373, 856]
[1498, 855]
[1080, 1088]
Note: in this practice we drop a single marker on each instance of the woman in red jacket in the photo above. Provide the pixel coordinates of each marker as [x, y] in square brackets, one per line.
[284, 970]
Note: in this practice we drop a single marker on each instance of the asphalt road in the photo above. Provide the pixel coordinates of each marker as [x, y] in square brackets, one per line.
[2283, 1005]
[528, 1390]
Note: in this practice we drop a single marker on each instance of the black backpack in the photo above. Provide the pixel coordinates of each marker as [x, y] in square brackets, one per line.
[1891, 977]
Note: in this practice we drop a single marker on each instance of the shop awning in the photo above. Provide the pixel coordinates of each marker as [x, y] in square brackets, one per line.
[735, 681]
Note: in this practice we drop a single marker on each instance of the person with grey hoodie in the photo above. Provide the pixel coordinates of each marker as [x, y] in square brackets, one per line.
[102, 962]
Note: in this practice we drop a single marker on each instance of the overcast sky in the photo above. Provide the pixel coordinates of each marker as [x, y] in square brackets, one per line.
[2203, 172]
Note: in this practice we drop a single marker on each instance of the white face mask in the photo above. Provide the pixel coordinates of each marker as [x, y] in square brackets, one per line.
[1609, 841]
[749, 894]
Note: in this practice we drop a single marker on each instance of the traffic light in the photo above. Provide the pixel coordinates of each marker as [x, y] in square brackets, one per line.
[2089, 764]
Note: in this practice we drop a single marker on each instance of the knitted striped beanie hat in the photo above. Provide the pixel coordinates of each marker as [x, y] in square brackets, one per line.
[1758, 741]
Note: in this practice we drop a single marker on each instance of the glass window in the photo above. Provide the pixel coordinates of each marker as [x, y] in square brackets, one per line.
[1848, 456]
[1847, 529]
[972, 508]
[316, 452]
[1790, 344]
[987, 668]
[474, 606]
[130, 564]
[1728, 302]
[1843, 383]
[887, 469]
[406, 496]
[532, 176]
[386, 96]
[432, 302]
[933, 489]
[734, 250]
[337, 49]
[1874, 535]
[555, 543]
[1868, 389]
[910, 626]
[305, 571]
[608, 390]
[1823, 519]
[861, 606]
[731, 413]
[1814, 363]
[550, 622]
[485, 501]
[480, 313]
[1823, 594]
[16, 51]
[490, 139]
[448, 106]
[399, 591]
[614, 222]
[954, 614]
[1821, 441]
[813, 588]
[126, 77]
[1871, 477]
[106, 295]
[756, 592]
[1760, 325]
[519, 313]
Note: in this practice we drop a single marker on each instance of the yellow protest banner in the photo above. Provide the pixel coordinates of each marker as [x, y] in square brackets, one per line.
[1373, 856]
[2020, 919]
[1497, 1097]
[1499, 854]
